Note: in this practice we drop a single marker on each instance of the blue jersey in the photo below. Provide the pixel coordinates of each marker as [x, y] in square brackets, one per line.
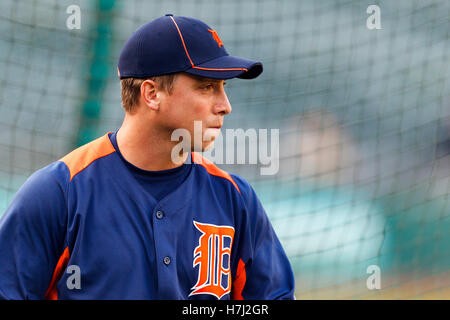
[84, 228]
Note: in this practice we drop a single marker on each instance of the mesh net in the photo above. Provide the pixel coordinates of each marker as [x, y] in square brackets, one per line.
[363, 119]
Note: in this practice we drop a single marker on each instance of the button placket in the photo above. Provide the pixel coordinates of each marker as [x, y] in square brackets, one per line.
[159, 214]
[165, 252]
[167, 260]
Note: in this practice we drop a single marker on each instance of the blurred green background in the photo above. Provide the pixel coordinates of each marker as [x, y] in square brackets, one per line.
[363, 118]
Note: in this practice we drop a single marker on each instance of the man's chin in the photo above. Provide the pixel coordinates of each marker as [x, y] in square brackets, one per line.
[207, 145]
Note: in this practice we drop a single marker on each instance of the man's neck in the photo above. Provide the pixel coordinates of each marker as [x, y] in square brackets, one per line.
[145, 148]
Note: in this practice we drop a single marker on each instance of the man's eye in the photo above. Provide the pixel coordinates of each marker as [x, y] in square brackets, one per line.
[208, 86]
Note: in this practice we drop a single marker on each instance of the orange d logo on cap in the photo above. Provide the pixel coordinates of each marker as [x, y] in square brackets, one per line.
[216, 37]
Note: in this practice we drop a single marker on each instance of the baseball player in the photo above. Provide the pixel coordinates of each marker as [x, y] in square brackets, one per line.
[123, 218]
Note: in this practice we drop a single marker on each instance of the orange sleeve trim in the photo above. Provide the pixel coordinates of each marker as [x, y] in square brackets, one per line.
[79, 159]
[52, 293]
[239, 282]
[212, 169]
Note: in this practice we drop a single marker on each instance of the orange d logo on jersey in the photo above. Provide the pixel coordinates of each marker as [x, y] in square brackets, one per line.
[216, 37]
[212, 256]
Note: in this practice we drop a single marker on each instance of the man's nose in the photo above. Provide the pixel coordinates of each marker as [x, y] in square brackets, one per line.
[222, 105]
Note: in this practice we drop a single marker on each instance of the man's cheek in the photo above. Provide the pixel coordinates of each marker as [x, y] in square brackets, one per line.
[198, 110]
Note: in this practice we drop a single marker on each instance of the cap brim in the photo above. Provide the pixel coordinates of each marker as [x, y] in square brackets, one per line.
[227, 67]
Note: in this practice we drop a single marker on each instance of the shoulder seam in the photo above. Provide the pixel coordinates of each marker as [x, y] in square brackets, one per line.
[244, 193]
[212, 169]
[99, 153]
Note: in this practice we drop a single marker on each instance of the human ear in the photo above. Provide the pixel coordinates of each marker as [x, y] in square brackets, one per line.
[150, 95]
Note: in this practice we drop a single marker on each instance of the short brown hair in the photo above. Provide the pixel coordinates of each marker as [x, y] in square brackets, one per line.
[131, 89]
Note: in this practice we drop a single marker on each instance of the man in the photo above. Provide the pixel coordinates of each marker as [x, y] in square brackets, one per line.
[124, 217]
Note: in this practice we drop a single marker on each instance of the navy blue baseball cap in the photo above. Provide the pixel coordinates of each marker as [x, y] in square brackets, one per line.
[172, 44]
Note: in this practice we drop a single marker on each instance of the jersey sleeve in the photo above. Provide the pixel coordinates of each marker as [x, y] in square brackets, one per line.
[263, 270]
[32, 233]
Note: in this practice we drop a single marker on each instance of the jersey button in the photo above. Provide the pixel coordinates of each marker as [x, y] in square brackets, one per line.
[166, 260]
[159, 214]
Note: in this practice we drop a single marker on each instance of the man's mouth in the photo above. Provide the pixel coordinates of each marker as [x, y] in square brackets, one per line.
[216, 125]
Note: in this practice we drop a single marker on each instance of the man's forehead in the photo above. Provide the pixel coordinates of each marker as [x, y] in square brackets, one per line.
[210, 80]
